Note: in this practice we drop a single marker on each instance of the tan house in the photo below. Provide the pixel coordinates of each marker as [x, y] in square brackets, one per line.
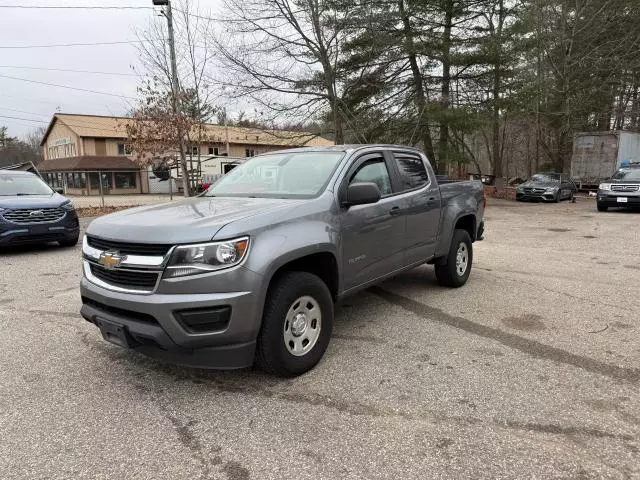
[79, 150]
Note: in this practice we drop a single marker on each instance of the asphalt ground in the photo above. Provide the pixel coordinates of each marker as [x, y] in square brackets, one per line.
[532, 370]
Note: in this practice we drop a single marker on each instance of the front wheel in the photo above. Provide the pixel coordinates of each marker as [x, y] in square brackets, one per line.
[455, 272]
[602, 208]
[296, 325]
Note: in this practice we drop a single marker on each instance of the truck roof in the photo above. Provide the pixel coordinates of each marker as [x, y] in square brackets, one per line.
[345, 148]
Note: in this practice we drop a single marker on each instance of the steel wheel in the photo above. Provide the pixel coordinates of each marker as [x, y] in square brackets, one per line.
[302, 326]
[462, 259]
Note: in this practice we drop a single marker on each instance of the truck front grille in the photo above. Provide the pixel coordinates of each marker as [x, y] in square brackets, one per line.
[148, 249]
[625, 188]
[129, 279]
[30, 216]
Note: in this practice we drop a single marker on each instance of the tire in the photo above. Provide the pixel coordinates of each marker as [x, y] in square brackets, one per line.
[274, 354]
[448, 274]
[556, 199]
[69, 242]
[602, 208]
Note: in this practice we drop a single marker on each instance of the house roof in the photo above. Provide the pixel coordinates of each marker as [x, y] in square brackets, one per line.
[115, 127]
[87, 162]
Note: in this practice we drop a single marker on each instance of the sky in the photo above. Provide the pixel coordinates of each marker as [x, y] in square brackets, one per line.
[33, 104]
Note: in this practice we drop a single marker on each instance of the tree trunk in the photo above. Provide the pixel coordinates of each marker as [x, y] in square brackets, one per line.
[496, 89]
[443, 142]
[418, 83]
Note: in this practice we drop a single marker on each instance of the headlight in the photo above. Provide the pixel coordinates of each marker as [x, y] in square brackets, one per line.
[206, 257]
[605, 186]
[552, 189]
[68, 206]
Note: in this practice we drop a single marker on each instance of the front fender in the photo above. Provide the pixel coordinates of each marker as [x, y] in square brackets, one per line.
[282, 244]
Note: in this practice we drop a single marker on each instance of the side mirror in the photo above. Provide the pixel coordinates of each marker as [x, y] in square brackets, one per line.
[59, 190]
[362, 194]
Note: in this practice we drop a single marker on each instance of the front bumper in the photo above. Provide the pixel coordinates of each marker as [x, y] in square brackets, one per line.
[67, 228]
[610, 199]
[155, 324]
[539, 197]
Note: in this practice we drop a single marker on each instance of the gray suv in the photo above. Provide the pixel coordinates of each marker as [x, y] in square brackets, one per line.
[622, 190]
[250, 270]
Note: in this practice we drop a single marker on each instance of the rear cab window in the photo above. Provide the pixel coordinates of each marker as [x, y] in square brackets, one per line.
[413, 173]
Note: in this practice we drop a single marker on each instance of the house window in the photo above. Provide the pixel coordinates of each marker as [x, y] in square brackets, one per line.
[214, 151]
[249, 152]
[195, 150]
[107, 181]
[124, 149]
[125, 179]
[94, 181]
[76, 180]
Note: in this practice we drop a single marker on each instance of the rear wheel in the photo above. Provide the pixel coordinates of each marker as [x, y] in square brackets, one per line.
[455, 272]
[602, 208]
[296, 325]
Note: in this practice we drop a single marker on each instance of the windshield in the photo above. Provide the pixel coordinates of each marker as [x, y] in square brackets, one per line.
[285, 175]
[632, 174]
[546, 178]
[21, 184]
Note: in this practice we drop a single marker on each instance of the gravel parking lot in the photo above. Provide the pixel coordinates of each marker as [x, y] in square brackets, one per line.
[532, 370]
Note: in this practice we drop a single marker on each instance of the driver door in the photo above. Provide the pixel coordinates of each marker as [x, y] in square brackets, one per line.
[372, 235]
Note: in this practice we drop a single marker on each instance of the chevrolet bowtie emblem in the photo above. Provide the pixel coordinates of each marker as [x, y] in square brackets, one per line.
[111, 260]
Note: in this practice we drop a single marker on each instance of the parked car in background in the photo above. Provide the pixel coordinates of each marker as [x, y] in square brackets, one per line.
[621, 190]
[548, 187]
[251, 269]
[32, 212]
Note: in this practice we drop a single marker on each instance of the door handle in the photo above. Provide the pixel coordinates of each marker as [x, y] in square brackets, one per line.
[395, 211]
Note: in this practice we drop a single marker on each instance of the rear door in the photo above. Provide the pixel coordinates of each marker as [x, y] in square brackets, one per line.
[372, 235]
[421, 197]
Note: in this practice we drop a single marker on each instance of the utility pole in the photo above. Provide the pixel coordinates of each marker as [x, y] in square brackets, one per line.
[175, 86]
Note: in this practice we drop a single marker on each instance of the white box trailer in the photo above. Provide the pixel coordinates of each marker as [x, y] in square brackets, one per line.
[597, 155]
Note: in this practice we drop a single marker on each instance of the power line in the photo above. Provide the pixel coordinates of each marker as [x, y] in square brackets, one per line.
[23, 111]
[25, 119]
[75, 44]
[69, 70]
[66, 86]
[197, 16]
[77, 7]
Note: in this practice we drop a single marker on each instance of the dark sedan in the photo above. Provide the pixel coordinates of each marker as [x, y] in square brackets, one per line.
[549, 187]
[31, 212]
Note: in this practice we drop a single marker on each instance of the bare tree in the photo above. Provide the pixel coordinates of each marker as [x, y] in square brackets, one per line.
[284, 56]
[194, 97]
[156, 131]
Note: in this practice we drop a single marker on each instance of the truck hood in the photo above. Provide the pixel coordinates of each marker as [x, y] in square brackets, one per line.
[32, 201]
[187, 221]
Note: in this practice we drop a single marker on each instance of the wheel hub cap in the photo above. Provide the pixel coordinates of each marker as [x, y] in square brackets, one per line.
[299, 324]
[302, 325]
[462, 259]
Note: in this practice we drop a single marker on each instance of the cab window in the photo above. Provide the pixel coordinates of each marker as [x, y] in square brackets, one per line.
[412, 171]
[374, 171]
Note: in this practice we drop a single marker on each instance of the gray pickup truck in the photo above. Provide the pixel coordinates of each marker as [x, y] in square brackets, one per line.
[249, 271]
